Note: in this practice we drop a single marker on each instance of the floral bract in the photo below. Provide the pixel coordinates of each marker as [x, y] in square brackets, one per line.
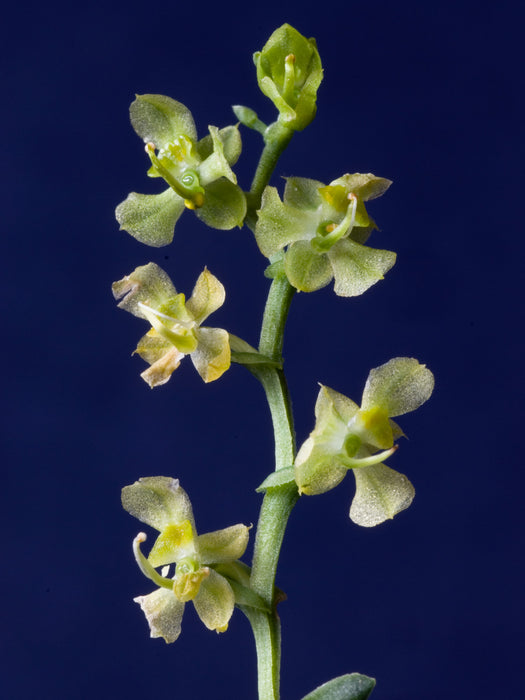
[347, 436]
[324, 228]
[163, 504]
[176, 323]
[198, 172]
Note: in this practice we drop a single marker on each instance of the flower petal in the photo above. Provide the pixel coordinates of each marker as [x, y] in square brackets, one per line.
[175, 542]
[163, 612]
[160, 371]
[158, 501]
[224, 205]
[216, 164]
[317, 468]
[147, 284]
[302, 193]
[231, 144]
[214, 602]
[150, 218]
[357, 267]
[366, 186]
[223, 545]
[161, 119]
[399, 386]
[380, 494]
[328, 398]
[208, 295]
[278, 224]
[213, 356]
[306, 270]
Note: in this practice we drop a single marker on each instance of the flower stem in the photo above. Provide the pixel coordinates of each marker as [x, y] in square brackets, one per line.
[278, 503]
[276, 138]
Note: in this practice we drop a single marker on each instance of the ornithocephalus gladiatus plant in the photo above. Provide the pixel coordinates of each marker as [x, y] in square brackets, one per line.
[311, 234]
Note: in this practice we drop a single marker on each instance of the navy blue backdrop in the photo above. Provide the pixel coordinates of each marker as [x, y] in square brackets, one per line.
[427, 94]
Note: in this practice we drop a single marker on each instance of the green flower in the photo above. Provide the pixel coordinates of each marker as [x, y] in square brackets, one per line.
[289, 72]
[160, 502]
[324, 228]
[176, 323]
[198, 172]
[347, 436]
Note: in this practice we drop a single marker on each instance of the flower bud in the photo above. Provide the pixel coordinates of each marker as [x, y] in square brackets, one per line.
[289, 72]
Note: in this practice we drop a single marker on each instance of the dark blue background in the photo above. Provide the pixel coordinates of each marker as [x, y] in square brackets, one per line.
[427, 94]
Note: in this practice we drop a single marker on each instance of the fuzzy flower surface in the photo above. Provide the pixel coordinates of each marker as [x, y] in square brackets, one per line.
[198, 172]
[347, 436]
[323, 230]
[163, 504]
[176, 330]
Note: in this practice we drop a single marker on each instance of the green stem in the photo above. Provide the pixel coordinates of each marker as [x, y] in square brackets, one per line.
[276, 138]
[267, 633]
[277, 503]
[273, 380]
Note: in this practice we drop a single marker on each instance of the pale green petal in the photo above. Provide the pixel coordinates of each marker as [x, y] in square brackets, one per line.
[224, 205]
[373, 427]
[163, 612]
[160, 119]
[317, 469]
[278, 224]
[147, 284]
[320, 462]
[214, 602]
[399, 386]
[208, 295]
[344, 406]
[361, 234]
[213, 356]
[357, 267]
[397, 431]
[380, 494]
[302, 193]
[307, 270]
[174, 543]
[158, 501]
[215, 165]
[231, 144]
[160, 371]
[150, 218]
[366, 186]
[153, 346]
[330, 429]
[223, 545]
